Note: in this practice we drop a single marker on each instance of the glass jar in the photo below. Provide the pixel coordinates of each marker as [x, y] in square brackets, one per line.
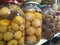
[33, 21]
[48, 22]
[11, 23]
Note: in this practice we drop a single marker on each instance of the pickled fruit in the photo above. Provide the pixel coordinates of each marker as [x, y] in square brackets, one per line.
[18, 35]
[19, 20]
[3, 29]
[30, 30]
[21, 41]
[31, 39]
[4, 12]
[36, 23]
[15, 26]
[4, 22]
[2, 43]
[8, 36]
[29, 16]
[1, 36]
[13, 42]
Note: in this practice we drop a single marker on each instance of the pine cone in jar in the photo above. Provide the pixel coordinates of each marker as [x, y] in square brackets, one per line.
[12, 42]
[30, 30]
[4, 12]
[19, 20]
[36, 23]
[29, 16]
[31, 39]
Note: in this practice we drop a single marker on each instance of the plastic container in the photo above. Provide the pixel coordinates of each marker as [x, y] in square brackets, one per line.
[11, 23]
[48, 22]
[33, 21]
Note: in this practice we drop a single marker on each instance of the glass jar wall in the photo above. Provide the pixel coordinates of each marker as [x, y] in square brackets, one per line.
[11, 24]
[33, 21]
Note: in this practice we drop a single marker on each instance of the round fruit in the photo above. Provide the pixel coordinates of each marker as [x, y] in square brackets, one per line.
[19, 20]
[4, 22]
[18, 35]
[12, 42]
[29, 16]
[38, 31]
[31, 39]
[8, 36]
[3, 29]
[22, 27]
[15, 26]
[21, 41]
[4, 11]
[30, 30]
[1, 36]
[36, 23]
[27, 24]
[2, 43]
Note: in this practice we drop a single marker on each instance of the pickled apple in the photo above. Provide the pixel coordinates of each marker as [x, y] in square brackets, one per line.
[15, 27]
[36, 23]
[29, 16]
[18, 35]
[22, 27]
[2, 43]
[21, 41]
[3, 29]
[12, 42]
[38, 16]
[8, 36]
[31, 39]
[38, 31]
[1, 36]
[4, 22]
[30, 30]
[19, 20]
[4, 12]
[27, 24]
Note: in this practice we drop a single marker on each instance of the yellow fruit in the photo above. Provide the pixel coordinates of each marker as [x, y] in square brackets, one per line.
[38, 16]
[36, 23]
[29, 16]
[3, 29]
[4, 22]
[14, 8]
[2, 43]
[18, 35]
[1, 36]
[12, 42]
[8, 36]
[30, 30]
[22, 27]
[38, 31]
[21, 41]
[31, 39]
[15, 27]
[19, 20]
[4, 11]
[27, 24]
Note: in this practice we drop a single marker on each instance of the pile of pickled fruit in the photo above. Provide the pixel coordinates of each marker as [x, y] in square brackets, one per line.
[11, 25]
[48, 26]
[33, 21]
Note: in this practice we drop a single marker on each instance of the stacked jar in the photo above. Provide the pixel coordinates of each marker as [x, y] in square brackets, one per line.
[11, 23]
[33, 23]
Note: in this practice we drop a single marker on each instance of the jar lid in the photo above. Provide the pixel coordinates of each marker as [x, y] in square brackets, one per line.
[12, 1]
